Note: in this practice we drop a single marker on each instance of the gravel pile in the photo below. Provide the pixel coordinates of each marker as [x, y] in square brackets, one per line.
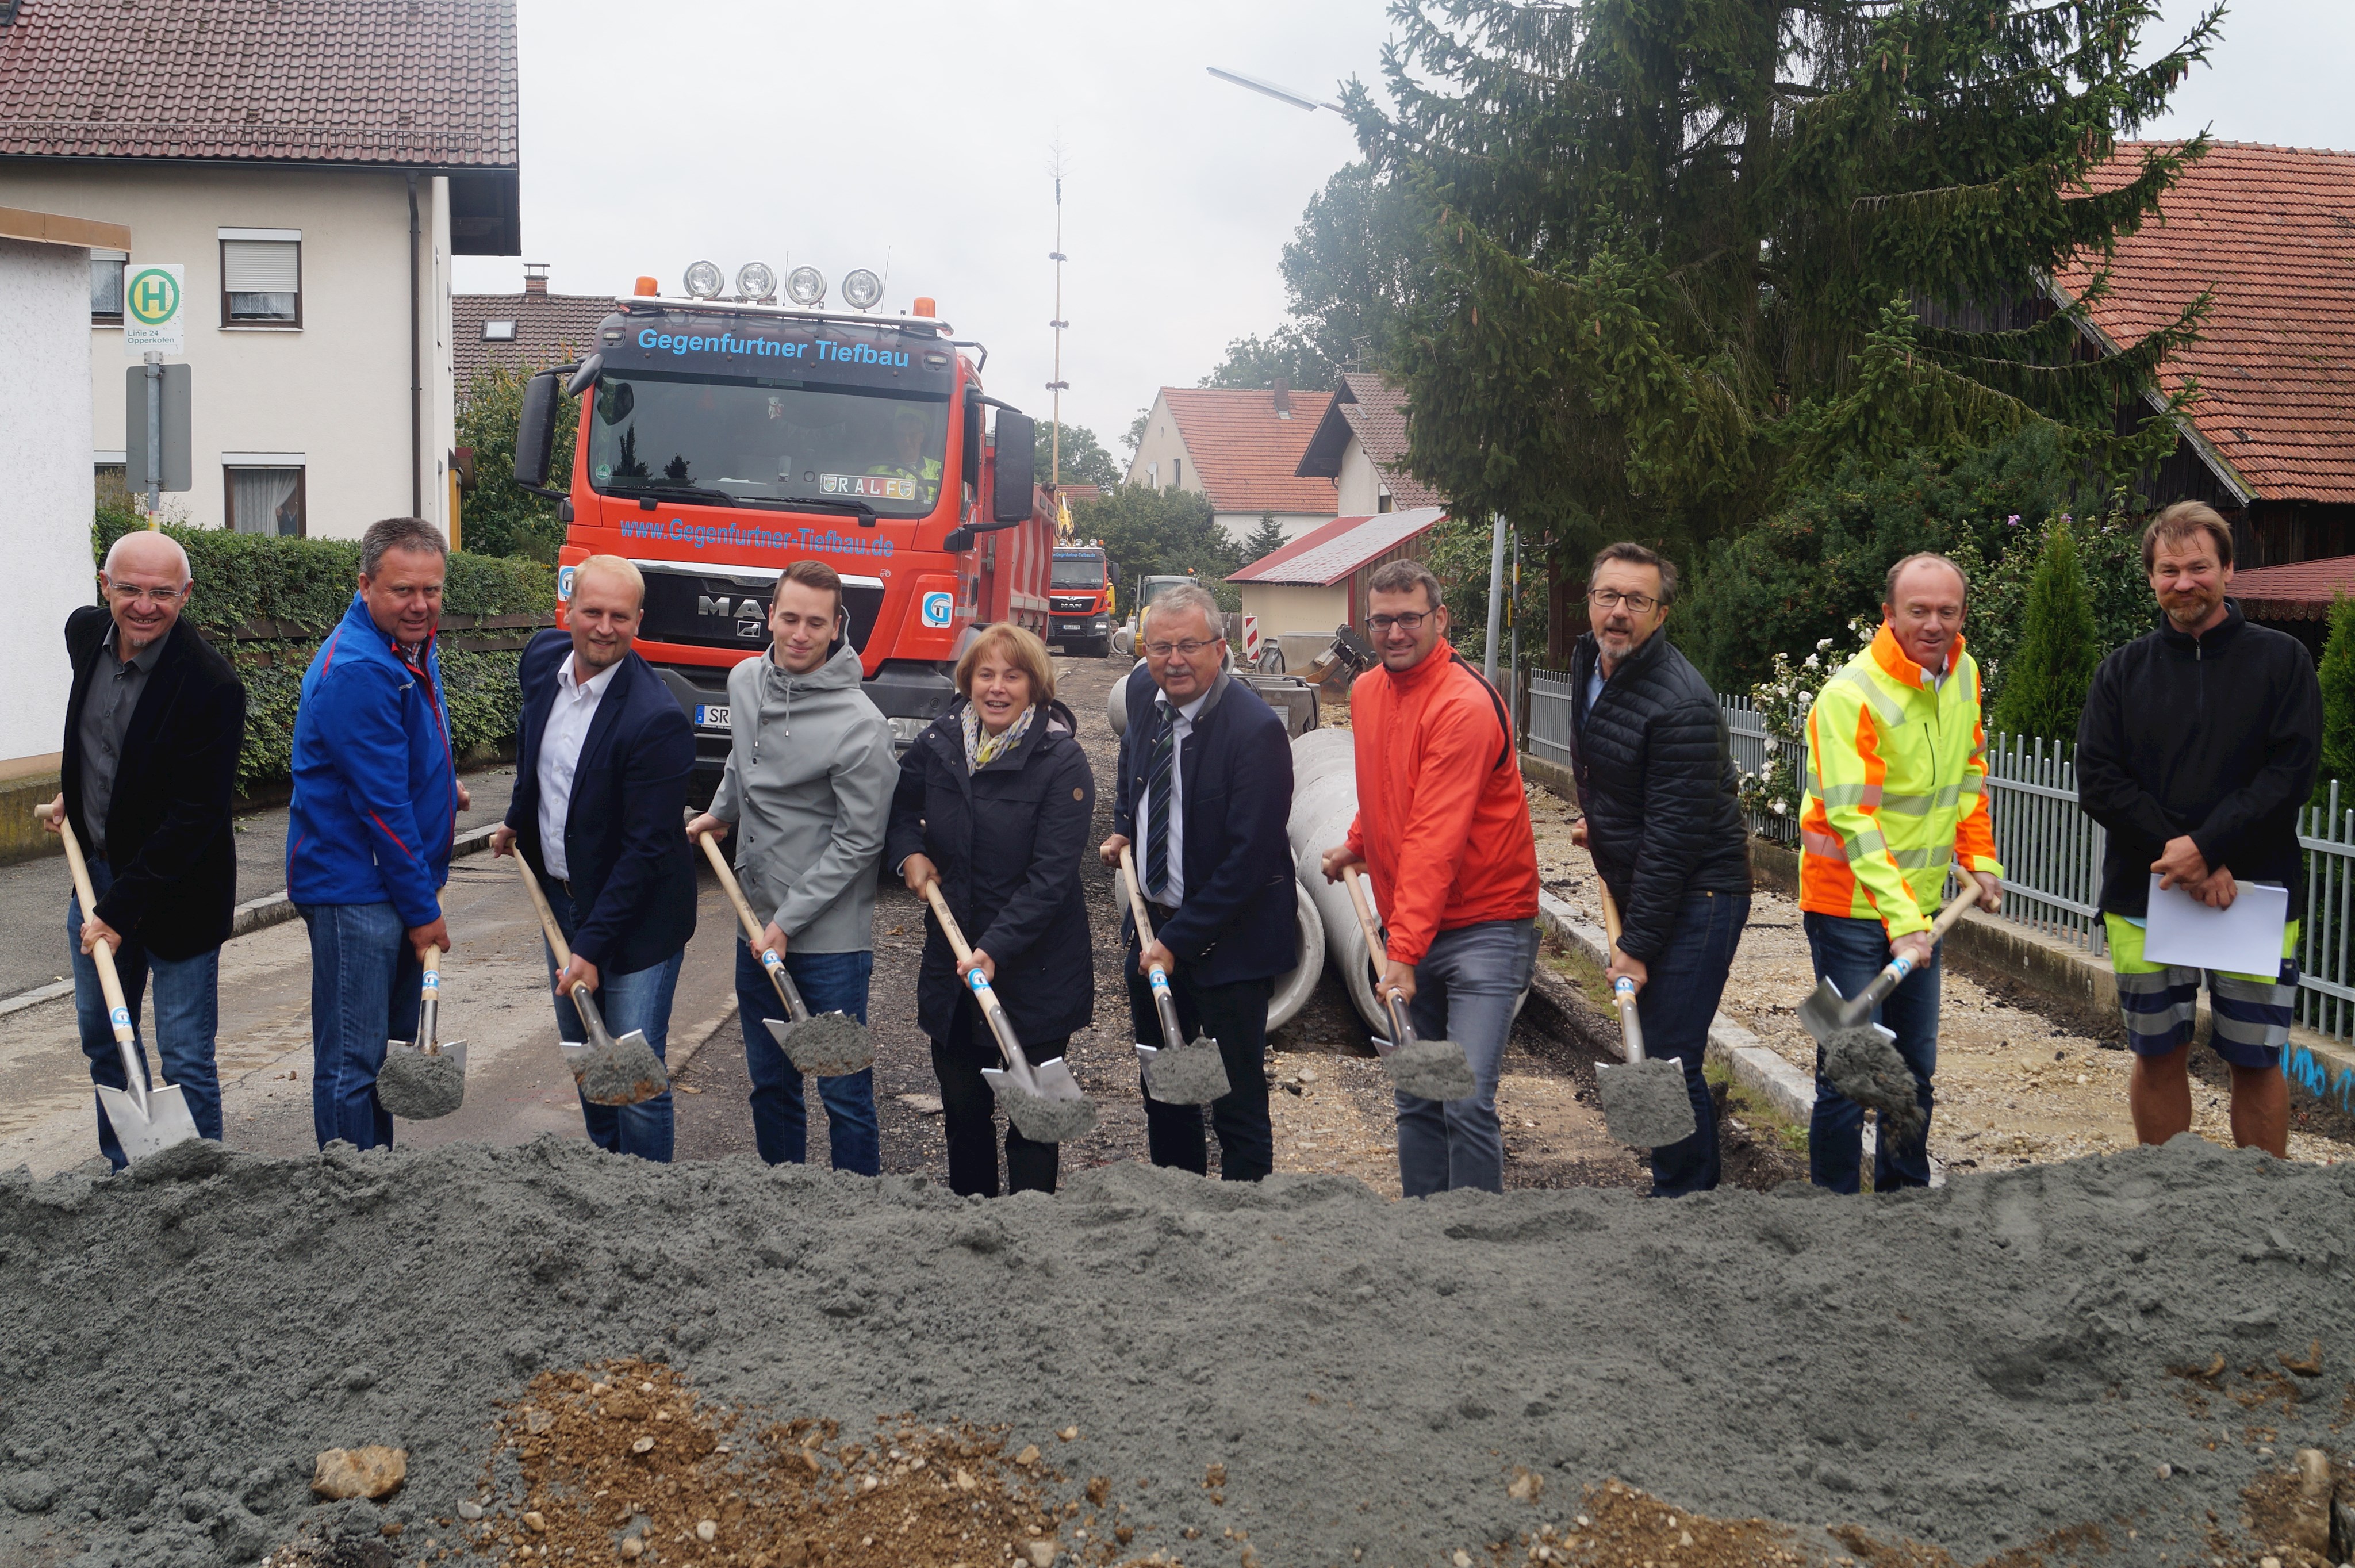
[2114, 1346]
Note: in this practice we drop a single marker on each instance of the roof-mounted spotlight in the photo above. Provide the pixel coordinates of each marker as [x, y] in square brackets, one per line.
[704, 281]
[861, 289]
[755, 281]
[806, 286]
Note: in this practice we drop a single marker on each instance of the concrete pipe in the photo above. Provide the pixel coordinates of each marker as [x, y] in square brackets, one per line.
[1324, 800]
[1116, 705]
[1293, 989]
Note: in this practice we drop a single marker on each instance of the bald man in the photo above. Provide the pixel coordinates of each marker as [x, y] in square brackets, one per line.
[153, 730]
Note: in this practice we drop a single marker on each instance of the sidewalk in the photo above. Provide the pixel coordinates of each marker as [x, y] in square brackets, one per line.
[33, 893]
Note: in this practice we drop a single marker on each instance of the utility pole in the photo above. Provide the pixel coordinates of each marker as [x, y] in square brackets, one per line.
[1058, 386]
[1496, 594]
[154, 359]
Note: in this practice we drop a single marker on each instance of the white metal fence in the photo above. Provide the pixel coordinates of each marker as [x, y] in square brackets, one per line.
[2051, 850]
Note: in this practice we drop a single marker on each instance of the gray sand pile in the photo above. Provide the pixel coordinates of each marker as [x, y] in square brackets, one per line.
[417, 1087]
[1040, 1119]
[626, 1073]
[1189, 1075]
[1980, 1365]
[1863, 1064]
[1430, 1069]
[830, 1045]
[1646, 1104]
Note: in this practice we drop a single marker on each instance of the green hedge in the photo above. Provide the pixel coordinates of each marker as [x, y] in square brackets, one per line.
[247, 577]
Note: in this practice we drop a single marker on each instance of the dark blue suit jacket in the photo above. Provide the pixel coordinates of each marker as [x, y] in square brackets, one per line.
[1240, 919]
[632, 871]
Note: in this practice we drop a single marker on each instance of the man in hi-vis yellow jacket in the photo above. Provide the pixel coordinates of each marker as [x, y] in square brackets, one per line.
[1896, 762]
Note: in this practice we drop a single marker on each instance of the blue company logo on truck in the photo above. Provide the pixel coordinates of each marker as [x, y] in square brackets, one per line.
[937, 607]
[749, 536]
[677, 342]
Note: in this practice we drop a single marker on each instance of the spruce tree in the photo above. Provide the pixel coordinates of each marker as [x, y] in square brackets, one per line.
[2336, 672]
[1265, 539]
[2044, 681]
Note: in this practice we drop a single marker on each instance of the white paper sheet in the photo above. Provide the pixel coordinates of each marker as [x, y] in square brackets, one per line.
[2245, 939]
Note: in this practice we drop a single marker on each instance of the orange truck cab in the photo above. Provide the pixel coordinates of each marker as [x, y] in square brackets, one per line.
[721, 440]
[1079, 599]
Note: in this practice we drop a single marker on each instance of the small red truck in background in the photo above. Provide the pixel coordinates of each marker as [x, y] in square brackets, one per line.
[1080, 599]
[720, 440]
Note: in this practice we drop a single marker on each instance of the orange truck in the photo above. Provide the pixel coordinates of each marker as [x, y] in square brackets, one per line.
[720, 440]
[1079, 610]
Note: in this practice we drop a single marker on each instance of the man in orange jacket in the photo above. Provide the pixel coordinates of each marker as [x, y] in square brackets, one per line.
[1442, 829]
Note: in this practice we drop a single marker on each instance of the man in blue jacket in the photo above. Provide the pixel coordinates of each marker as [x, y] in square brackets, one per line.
[601, 763]
[1204, 793]
[377, 799]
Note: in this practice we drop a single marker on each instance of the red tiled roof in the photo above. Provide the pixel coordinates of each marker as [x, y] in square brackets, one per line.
[2300, 591]
[2271, 231]
[549, 329]
[1323, 556]
[1375, 413]
[1245, 454]
[413, 83]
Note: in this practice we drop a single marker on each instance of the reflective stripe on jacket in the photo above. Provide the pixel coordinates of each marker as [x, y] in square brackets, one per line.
[1895, 773]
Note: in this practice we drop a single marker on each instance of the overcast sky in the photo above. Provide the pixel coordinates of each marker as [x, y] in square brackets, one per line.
[918, 135]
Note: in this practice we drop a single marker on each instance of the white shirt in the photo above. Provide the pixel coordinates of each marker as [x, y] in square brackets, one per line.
[1182, 722]
[559, 757]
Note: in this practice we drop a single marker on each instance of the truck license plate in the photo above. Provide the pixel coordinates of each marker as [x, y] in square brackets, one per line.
[711, 715]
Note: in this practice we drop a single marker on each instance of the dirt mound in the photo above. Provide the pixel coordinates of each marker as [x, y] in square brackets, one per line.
[1980, 1367]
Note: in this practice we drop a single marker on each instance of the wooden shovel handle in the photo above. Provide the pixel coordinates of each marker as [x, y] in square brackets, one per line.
[109, 982]
[1610, 913]
[1136, 898]
[734, 889]
[547, 916]
[948, 927]
[1376, 948]
[1952, 916]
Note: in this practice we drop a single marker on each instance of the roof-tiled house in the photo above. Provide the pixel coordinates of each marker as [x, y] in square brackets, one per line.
[1243, 449]
[1361, 444]
[528, 331]
[312, 167]
[1318, 581]
[2271, 437]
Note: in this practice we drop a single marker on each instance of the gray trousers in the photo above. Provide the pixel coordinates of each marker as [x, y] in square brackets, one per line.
[1467, 989]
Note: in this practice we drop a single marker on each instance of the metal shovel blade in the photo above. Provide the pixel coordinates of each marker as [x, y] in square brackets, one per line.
[1049, 1107]
[1194, 1073]
[1646, 1104]
[624, 1071]
[164, 1122]
[1826, 1012]
[417, 1085]
[825, 1045]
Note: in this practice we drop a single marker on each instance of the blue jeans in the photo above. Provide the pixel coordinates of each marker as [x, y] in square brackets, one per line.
[637, 1000]
[364, 984]
[1675, 1005]
[187, 1018]
[1465, 989]
[1849, 953]
[829, 983]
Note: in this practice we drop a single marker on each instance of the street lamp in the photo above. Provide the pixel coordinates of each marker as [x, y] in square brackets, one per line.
[1281, 94]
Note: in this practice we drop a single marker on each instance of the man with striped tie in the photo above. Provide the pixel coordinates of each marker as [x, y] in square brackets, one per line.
[1205, 789]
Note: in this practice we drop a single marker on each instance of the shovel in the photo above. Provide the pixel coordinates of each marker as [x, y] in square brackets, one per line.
[1860, 1057]
[828, 1045]
[1177, 1071]
[609, 1071]
[144, 1119]
[1427, 1069]
[423, 1078]
[1043, 1101]
[1644, 1103]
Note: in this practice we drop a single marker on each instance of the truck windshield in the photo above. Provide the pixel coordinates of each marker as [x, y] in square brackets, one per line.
[768, 443]
[1079, 572]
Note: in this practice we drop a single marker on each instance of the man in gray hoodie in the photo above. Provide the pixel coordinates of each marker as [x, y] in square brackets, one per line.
[809, 780]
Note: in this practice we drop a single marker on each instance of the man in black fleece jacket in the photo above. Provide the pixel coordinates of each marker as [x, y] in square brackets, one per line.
[1661, 817]
[2197, 747]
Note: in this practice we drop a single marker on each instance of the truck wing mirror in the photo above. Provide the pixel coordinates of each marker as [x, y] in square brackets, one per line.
[586, 376]
[959, 540]
[1017, 458]
[535, 431]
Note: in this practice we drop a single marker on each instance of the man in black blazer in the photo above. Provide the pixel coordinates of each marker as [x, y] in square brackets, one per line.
[153, 729]
[601, 763]
[1205, 794]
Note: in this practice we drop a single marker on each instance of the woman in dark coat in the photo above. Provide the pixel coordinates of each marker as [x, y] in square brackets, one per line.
[995, 799]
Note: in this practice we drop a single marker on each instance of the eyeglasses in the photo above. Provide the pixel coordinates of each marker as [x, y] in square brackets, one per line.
[1609, 599]
[1186, 649]
[1410, 622]
[129, 595]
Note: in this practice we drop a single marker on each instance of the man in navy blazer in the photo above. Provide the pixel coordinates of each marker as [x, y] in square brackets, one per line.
[1205, 794]
[602, 764]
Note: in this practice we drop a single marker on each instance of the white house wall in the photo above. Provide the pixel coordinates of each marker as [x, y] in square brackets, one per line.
[1162, 460]
[1359, 483]
[336, 389]
[1241, 525]
[45, 343]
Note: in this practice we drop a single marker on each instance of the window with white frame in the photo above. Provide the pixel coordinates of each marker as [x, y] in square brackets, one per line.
[261, 277]
[265, 499]
[106, 287]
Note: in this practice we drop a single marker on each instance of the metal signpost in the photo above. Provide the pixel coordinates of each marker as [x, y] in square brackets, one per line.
[152, 295]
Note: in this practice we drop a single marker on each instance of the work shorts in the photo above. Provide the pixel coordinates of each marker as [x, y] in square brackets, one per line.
[2252, 1012]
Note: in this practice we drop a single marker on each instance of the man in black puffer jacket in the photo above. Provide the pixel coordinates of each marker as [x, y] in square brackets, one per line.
[1663, 821]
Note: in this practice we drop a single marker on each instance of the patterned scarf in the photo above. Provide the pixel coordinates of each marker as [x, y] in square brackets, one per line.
[981, 750]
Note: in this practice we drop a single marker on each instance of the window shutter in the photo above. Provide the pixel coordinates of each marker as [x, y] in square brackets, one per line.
[260, 266]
